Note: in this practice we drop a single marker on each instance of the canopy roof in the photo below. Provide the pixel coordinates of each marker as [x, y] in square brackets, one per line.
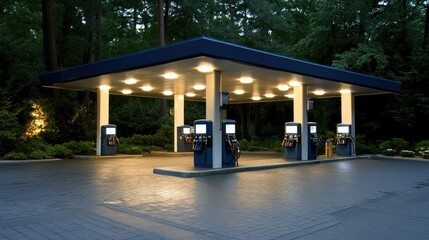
[270, 74]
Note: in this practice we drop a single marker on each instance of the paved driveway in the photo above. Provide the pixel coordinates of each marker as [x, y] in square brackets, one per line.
[122, 199]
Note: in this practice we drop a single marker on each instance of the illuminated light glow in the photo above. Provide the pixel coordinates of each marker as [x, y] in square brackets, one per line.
[130, 81]
[205, 68]
[147, 88]
[246, 80]
[190, 94]
[126, 91]
[256, 98]
[104, 87]
[167, 93]
[269, 95]
[294, 84]
[283, 87]
[170, 75]
[319, 92]
[345, 91]
[290, 95]
[199, 87]
[38, 121]
[239, 91]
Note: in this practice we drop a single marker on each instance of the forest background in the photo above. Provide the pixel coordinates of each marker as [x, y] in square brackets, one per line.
[387, 39]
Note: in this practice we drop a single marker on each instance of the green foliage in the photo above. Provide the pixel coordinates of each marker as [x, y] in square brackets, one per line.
[15, 156]
[10, 132]
[60, 151]
[363, 146]
[365, 58]
[81, 147]
[394, 146]
[39, 154]
[270, 144]
[135, 149]
[406, 153]
[422, 148]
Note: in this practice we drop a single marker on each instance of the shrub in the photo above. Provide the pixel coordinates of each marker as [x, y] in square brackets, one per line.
[135, 149]
[389, 152]
[80, 148]
[422, 148]
[39, 154]
[244, 145]
[60, 151]
[396, 144]
[406, 153]
[15, 156]
[10, 132]
[169, 147]
[425, 154]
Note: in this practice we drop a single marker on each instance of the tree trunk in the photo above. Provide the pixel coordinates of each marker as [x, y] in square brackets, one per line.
[49, 45]
[65, 27]
[426, 32]
[161, 42]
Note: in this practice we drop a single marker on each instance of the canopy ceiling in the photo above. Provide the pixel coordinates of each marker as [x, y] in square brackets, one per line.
[271, 74]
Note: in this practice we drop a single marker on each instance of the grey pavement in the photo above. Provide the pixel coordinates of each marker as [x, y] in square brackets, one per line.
[120, 198]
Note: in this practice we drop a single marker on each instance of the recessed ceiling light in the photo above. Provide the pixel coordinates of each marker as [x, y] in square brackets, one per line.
[283, 87]
[147, 88]
[246, 80]
[239, 91]
[126, 91]
[199, 87]
[269, 95]
[205, 68]
[167, 93]
[170, 75]
[294, 84]
[190, 94]
[104, 87]
[290, 95]
[130, 81]
[256, 98]
[319, 92]
[345, 91]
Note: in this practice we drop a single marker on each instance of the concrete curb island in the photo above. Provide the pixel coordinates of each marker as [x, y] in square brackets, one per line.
[191, 172]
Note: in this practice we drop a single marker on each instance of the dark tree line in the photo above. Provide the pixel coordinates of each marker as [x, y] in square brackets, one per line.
[383, 38]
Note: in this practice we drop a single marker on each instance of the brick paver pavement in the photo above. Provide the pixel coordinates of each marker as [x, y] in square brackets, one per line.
[122, 199]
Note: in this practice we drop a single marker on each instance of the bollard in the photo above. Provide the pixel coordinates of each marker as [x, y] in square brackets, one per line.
[328, 148]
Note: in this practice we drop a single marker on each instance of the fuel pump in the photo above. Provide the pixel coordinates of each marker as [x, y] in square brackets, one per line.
[345, 144]
[202, 143]
[313, 141]
[109, 140]
[184, 138]
[291, 145]
[230, 148]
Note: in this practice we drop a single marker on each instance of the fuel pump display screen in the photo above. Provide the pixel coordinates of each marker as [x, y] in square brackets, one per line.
[111, 131]
[313, 129]
[200, 129]
[343, 129]
[292, 129]
[186, 130]
[230, 128]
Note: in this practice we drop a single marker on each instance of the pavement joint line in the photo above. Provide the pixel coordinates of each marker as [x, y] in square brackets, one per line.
[175, 172]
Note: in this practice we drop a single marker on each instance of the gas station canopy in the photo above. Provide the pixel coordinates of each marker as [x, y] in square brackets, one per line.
[249, 75]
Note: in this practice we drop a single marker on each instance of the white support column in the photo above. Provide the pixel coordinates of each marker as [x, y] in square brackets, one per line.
[213, 82]
[300, 115]
[179, 115]
[102, 115]
[348, 110]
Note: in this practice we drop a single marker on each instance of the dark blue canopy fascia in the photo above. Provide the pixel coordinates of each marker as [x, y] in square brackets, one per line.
[209, 47]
